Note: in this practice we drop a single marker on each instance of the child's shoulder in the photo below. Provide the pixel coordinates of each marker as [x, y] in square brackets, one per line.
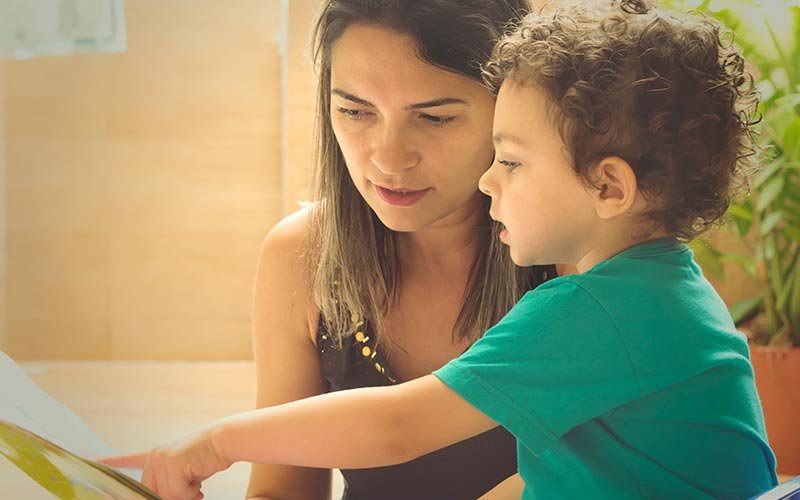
[562, 296]
[568, 286]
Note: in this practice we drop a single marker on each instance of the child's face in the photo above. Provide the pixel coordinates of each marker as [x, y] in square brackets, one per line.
[548, 213]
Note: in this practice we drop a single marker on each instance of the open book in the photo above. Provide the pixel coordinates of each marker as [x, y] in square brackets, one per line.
[48, 442]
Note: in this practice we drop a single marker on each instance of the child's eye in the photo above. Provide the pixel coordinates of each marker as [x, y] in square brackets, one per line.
[353, 114]
[510, 165]
[438, 121]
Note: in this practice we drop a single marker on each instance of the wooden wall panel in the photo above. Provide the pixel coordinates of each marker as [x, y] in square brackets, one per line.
[141, 184]
[301, 100]
[3, 231]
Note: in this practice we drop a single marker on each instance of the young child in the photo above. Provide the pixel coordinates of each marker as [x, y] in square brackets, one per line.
[620, 131]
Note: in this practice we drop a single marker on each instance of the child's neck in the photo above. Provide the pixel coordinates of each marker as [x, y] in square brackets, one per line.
[611, 244]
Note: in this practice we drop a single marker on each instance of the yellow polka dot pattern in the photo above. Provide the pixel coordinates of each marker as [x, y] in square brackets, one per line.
[366, 350]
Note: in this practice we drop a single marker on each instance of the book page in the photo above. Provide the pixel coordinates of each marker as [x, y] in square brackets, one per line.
[26, 405]
[63, 474]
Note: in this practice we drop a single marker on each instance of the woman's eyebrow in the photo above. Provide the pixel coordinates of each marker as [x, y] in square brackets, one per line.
[443, 101]
[351, 97]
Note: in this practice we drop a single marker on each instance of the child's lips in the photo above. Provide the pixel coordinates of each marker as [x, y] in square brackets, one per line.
[503, 229]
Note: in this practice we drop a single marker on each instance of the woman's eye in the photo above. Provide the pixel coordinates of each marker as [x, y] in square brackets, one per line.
[439, 121]
[353, 114]
[510, 165]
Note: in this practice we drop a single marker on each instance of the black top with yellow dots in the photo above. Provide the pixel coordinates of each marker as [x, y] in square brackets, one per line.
[463, 471]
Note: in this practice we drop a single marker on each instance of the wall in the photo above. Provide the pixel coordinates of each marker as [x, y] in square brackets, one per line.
[301, 100]
[140, 186]
[3, 279]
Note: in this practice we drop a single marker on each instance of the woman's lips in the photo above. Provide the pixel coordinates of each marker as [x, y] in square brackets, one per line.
[400, 197]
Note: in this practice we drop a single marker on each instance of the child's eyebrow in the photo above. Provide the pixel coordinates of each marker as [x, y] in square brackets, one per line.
[444, 101]
[503, 137]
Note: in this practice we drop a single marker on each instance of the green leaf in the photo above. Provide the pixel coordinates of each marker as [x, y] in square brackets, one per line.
[748, 264]
[792, 232]
[779, 77]
[769, 248]
[741, 212]
[780, 121]
[789, 283]
[794, 297]
[783, 253]
[767, 172]
[784, 59]
[791, 138]
[790, 100]
[708, 259]
[744, 308]
[742, 227]
[767, 90]
[770, 221]
[739, 218]
[770, 193]
[792, 205]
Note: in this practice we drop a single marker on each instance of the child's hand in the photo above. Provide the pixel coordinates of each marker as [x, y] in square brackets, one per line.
[176, 471]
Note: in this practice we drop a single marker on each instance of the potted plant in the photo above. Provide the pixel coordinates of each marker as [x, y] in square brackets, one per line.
[766, 222]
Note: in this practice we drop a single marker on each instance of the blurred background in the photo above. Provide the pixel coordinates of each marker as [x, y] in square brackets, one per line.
[137, 186]
[146, 151]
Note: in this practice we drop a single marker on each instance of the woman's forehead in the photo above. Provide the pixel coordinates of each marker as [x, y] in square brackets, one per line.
[371, 61]
[368, 46]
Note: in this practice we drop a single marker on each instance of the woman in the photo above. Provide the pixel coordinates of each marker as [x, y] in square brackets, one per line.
[396, 267]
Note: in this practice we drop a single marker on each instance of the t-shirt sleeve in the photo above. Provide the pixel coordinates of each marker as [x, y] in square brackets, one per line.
[555, 361]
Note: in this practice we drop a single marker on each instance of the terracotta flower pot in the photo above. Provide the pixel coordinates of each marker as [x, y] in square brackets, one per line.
[777, 372]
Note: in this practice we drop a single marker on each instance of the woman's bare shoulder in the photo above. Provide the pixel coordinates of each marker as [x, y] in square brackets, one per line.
[289, 234]
[282, 276]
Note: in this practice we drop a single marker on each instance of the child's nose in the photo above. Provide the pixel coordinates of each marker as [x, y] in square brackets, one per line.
[485, 183]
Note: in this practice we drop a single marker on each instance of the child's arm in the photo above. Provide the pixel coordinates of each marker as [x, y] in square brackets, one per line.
[367, 427]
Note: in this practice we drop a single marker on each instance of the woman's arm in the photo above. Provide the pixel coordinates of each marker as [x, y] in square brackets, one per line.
[286, 359]
[510, 489]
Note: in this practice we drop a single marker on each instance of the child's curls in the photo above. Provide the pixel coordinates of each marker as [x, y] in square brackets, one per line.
[668, 94]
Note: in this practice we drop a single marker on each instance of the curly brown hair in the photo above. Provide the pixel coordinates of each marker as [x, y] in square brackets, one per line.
[668, 94]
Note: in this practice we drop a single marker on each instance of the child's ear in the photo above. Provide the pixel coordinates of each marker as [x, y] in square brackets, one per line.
[616, 187]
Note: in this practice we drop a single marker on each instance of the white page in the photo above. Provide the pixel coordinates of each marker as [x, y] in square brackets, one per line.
[25, 404]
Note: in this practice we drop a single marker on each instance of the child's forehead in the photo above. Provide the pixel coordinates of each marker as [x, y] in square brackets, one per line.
[526, 92]
[524, 118]
[523, 102]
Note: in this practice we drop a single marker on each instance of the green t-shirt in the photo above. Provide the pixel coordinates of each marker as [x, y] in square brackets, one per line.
[627, 381]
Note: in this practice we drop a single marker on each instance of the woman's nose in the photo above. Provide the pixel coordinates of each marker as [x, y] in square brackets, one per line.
[393, 151]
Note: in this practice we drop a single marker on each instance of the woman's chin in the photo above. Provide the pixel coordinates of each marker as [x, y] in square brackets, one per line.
[401, 224]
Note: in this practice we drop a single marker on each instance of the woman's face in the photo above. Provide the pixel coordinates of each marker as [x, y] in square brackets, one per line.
[416, 138]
